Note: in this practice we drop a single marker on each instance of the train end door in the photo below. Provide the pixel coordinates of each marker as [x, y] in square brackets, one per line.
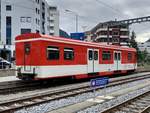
[27, 57]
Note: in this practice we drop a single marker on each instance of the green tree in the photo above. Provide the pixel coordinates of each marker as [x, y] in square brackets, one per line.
[133, 42]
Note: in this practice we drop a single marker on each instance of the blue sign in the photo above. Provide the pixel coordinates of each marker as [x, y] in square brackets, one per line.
[77, 36]
[99, 82]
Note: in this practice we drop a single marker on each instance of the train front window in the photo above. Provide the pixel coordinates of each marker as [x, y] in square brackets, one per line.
[129, 56]
[27, 48]
[68, 54]
[52, 53]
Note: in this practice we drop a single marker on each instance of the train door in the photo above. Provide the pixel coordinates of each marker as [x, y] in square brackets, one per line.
[93, 60]
[117, 60]
[27, 57]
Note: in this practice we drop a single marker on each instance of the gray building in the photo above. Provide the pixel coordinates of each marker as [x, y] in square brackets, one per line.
[144, 46]
[25, 16]
[115, 35]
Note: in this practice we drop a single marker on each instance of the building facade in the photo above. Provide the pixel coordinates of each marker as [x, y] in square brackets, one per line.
[115, 35]
[25, 16]
[144, 46]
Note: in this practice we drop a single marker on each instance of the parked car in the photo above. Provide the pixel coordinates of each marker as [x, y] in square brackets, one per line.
[4, 64]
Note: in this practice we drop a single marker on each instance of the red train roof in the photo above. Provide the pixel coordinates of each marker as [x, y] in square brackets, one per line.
[36, 36]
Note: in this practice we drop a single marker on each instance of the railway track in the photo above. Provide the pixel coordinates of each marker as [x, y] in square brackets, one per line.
[20, 86]
[138, 104]
[68, 91]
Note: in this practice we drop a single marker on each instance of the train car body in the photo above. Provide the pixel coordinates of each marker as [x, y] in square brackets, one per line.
[44, 57]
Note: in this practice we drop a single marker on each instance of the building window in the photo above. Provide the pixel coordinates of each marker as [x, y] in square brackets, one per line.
[24, 31]
[43, 16]
[129, 56]
[51, 27]
[28, 19]
[43, 5]
[8, 7]
[68, 54]
[51, 34]
[8, 30]
[52, 53]
[25, 19]
[106, 55]
[36, 10]
[51, 21]
[37, 1]
[37, 31]
[36, 21]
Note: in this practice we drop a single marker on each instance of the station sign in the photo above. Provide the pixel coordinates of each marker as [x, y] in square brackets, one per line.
[99, 82]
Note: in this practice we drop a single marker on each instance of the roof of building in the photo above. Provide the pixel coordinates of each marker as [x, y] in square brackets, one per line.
[107, 23]
[148, 40]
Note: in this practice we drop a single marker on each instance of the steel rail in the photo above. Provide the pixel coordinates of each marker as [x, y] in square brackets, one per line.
[12, 105]
[132, 105]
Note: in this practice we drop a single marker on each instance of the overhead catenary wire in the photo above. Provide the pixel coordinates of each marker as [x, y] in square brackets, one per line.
[110, 7]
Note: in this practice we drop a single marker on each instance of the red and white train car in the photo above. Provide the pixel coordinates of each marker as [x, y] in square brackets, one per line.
[41, 57]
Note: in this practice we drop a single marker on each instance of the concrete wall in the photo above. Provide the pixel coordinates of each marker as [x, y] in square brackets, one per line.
[4, 73]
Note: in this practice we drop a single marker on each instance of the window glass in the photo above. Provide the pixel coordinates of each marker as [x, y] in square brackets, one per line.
[68, 54]
[119, 56]
[52, 53]
[95, 55]
[129, 56]
[106, 55]
[116, 57]
[27, 48]
[90, 55]
[28, 19]
[8, 7]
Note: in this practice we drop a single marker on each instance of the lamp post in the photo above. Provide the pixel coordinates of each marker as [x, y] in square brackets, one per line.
[76, 18]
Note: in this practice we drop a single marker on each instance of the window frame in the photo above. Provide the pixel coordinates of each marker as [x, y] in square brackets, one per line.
[8, 8]
[106, 55]
[90, 55]
[129, 56]
[70, 52]
[52, 49]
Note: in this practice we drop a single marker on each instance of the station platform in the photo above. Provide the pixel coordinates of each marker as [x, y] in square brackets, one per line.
[99, 99]
[7, 75]
[8, 78]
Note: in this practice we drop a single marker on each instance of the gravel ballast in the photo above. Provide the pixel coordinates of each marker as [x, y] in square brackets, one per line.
[43, 108]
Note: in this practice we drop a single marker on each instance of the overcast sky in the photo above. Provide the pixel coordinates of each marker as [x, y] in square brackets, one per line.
[91, 12]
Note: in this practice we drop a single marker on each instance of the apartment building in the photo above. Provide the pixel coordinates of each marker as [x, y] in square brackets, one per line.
[25, 16]
[115, 35]
[144, 46]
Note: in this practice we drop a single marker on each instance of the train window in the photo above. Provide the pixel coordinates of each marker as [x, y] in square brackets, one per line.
[119, 55]
[95, 55]
[116, 57]
[106, 55]
[129, 56]
[68, 54]
[27, 48]
[90, 55]
[52, 53]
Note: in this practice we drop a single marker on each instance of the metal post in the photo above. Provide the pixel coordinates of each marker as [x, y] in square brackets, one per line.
[76, 22]
[75, 19]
